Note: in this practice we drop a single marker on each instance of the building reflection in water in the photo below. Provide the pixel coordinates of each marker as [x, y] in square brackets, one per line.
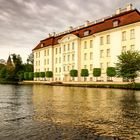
[100, 110]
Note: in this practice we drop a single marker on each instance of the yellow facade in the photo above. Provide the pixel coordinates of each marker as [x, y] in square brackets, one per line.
[99, 50]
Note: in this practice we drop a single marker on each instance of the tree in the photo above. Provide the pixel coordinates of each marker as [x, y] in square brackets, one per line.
[84, 73]
[42, 74]
[30, 59]
[73, 73]
[3, 72]
[111, 72]
[36, 74]
[26, 75]
[97, 73]
[31, 75]
[18, 66]
[128, 65]
[49, 74]
[21, 76]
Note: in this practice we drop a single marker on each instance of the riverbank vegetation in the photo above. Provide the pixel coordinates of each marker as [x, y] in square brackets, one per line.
[127, 67]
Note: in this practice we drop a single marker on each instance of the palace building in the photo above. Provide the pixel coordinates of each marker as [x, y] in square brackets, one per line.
[93, 45]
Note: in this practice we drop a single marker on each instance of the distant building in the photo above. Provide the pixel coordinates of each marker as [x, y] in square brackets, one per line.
[9, 63]
[92, 45]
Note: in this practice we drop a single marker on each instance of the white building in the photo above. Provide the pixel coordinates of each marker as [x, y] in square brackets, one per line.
[92, 45]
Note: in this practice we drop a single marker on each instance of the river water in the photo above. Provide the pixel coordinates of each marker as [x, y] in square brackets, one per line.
[41, 112]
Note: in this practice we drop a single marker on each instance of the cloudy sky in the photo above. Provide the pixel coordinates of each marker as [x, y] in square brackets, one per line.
[23, 23]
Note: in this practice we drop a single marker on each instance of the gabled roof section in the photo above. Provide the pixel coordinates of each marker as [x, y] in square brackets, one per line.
[124, 18]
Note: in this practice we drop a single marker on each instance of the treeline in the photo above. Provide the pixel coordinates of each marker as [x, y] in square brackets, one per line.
[15, 68]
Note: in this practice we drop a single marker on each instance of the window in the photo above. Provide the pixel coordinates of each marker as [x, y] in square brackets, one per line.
[64, 58]
[101, 40]
[59, 69]
[85, 66]
[64, 48]
[91, 43]
[132, 47]
[48, 52]
[72, 57]
[108, 52]
[85, 56]
[36, 55]
[132, 34]
[123, 48]
[55, 69]
[68, 57]
[108, 64]
[59, 59]
[91, 67]
[64, 68]
[45, 53]
[56, 60]
[91, 55]
[72, 45]
[123, 35]
[72, 66]
[68, 67]
[42, 45]
[108, 39]
[85, 45]
[39, 54]
[56, 51]
[115, 23]
[59, 50]
[47, 61]
[47, 69]
[101, 53]
[68, 47]
[86, 33]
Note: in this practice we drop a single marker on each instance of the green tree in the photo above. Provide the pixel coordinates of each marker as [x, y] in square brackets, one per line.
[97, 73]
[42, 74]
[21, 76]
[26, 75]
[49, 74]
[3, 72]
[111, 72]
[74, 73]
[128, 65]
[31, 75]
[18, 66]
[30, 59]
[36, 75]
[84, 73]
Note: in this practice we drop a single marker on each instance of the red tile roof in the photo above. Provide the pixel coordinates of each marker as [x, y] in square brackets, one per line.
[124, 18]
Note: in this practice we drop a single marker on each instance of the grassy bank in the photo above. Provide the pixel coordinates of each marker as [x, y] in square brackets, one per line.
[133, 86]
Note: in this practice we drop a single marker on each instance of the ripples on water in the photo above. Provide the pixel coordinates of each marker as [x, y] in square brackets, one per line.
[42, 112]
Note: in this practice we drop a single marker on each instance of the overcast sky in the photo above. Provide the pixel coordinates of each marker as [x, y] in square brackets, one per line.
[23, 23]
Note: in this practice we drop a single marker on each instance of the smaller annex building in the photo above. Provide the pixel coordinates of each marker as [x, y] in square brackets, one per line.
[92, 45]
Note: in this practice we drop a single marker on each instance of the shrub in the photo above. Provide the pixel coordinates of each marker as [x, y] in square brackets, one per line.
[84, 73]
[73, 73]
[97, 73]
[111, 72]
[26, 75]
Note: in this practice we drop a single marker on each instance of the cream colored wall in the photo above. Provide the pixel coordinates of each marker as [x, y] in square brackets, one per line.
[87, 51]
[115, 47]
[39, 65]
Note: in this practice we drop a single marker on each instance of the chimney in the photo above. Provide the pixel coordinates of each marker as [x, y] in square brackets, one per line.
[49, 35]
[118, 11]
[53, 34]
[87, 23]
[129, 6]
[70, 27]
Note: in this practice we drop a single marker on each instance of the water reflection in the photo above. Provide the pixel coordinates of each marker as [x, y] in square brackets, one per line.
[69, 113]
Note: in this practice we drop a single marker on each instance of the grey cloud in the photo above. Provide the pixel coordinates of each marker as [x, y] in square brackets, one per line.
[23, 23]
